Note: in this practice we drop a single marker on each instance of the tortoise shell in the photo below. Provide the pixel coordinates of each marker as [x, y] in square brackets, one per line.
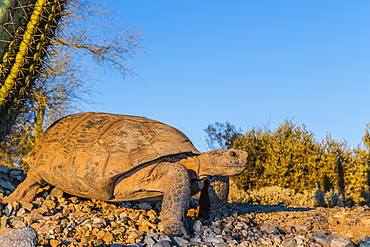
[84, 154]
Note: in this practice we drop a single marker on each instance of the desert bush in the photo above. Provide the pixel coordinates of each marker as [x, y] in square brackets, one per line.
[276, 195]
[357, 173]
[289, 159]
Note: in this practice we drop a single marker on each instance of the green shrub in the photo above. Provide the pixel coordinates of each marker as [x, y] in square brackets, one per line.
[276, 195]
[290, 157]
[289, 160]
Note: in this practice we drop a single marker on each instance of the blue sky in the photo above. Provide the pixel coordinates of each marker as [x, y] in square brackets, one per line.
[252, 63]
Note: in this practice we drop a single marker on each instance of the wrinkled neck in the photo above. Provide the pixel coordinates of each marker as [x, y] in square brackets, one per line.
[191, 163]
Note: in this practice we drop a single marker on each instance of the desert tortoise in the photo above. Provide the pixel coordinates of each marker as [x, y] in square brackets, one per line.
[124, 158]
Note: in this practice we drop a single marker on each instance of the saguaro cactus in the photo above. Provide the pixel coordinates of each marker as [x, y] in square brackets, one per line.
[26, 29]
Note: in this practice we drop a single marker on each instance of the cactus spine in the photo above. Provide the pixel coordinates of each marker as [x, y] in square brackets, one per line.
[25, 35]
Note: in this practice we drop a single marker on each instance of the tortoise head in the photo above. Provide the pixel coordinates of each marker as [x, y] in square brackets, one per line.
[222, 162]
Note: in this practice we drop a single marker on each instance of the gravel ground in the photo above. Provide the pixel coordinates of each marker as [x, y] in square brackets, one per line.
[62, 220]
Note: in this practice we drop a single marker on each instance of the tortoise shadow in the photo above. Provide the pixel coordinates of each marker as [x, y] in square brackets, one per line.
[235, 210]
[248, 208]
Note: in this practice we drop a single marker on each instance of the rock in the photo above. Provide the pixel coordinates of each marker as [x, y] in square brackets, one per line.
[88, 238]
[14, 173]
[23, 237]
[56, 192]
[290, 243]
[272, 230]
[144, 228]
[4, 170]
[149, 241]
[55, 243]
[47, 228]
[359, 208]
[222, 245]
[313, 244]
[99, 222]
[180, 241]
[27, 206]
[108, 237]
[216, 230]
[341, 242]
[4, 221]
[163, 237]
[7, 185]
[49, 203]
[152, 214]
[365, 244]
[302, 228]
[17, 222]
[8, 209]
[277, 239]
[135, 234]
[163, 244]
[21, 212]
[97, 242]
[214, 240]
[301, 240]
[198, 226]
[144, 206]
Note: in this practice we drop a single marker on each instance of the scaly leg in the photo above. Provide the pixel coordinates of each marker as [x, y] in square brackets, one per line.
[169, 182]
[26, 191]
[213, 196]
[176, 200]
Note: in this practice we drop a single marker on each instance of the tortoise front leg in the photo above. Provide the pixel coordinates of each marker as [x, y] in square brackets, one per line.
[26, 191]
[176, 198]
[213, 196]
[167, 181]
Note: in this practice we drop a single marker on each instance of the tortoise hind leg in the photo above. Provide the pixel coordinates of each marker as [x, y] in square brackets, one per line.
[26, 191]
